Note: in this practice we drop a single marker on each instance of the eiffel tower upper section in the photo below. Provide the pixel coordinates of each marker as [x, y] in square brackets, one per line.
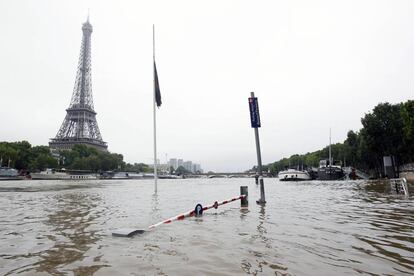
[80, 125]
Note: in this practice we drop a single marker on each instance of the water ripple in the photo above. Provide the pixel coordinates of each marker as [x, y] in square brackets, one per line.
[308, 228]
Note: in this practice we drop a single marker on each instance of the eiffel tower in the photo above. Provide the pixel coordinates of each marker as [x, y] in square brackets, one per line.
[80, 125]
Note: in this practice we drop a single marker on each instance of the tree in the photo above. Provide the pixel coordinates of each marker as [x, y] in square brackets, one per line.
[351, 143]
[383, 133]
[24, 154]
[81, 157]
[407, 116]
[84, 150]
[181, 170]
[43, 161]
[387, 130]
[7, 153]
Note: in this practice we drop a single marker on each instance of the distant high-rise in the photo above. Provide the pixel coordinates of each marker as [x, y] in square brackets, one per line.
[197, 168]
[80, 125]
[173, 163]
[188, 165]
[179, 163]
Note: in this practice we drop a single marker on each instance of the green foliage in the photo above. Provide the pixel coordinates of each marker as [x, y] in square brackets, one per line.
[181, 170]
[407, 116]
[137, 167]
[23, 156]
[7, 152]
[387, 130]
[383, 130]
[42, 161]
[82, 157]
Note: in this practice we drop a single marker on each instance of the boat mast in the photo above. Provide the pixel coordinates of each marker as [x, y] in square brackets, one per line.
[330, 155]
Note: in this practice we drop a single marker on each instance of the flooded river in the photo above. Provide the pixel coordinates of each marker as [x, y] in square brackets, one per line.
[308, 228]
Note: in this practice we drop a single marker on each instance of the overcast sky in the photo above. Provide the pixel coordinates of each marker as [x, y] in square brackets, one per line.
[312, 64]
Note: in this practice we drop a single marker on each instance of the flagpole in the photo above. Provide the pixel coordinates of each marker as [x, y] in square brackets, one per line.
[155, 121]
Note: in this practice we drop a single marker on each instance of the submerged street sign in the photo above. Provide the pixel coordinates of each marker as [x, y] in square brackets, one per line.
[255, 120]
[254, 112]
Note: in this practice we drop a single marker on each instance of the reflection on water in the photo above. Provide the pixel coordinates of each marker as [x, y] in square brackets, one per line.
[69, 225]
[396, 235]
[68, 218]
[155, 210]
[263, 258]
[308, 228]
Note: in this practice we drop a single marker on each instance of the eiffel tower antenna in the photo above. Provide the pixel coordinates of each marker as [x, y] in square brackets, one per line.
[80, 125]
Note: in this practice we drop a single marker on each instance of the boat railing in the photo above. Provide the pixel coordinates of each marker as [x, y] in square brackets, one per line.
[399, 186]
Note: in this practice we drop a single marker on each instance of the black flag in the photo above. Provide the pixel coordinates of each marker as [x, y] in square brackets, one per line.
[157, 87]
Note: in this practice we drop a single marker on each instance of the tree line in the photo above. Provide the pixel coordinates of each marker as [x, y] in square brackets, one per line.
[22, 156]
[388, 130]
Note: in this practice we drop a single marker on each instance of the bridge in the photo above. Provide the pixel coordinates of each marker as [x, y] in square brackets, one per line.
[230, 174]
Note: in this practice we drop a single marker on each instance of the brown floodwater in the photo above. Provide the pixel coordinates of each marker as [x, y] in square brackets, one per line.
[307, 228]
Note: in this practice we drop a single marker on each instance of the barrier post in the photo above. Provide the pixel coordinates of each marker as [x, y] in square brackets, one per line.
[244, 202]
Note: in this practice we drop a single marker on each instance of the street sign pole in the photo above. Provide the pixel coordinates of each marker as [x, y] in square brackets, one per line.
[255, 122]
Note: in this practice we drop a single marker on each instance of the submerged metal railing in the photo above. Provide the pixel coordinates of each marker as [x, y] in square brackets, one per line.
[399, 186]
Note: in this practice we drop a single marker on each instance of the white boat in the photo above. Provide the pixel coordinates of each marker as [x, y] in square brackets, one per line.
[133, 175]
[50, 174]
[120, 175]
[169, 176]
[53, 174]
[82, 176]
[294, 175]
[7, 173]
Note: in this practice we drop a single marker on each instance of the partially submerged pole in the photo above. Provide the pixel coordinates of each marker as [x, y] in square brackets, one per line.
[255, 122]
[244, 202]
[155, 113]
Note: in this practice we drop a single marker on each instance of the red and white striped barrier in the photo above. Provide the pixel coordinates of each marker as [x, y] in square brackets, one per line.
[129, 232]
[192, 212]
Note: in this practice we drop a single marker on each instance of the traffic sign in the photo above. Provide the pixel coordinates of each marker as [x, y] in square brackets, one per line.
[254, 112]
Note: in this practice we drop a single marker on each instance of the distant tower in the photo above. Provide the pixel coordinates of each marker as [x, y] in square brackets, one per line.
[80, 125]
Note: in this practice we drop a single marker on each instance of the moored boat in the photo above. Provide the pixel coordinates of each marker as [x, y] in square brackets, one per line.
[326, 171]
[120, 175]
[52, 174]
[7, 173]
[293, 175]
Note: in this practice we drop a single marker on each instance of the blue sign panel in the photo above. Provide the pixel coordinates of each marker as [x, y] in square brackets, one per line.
[254, 112]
